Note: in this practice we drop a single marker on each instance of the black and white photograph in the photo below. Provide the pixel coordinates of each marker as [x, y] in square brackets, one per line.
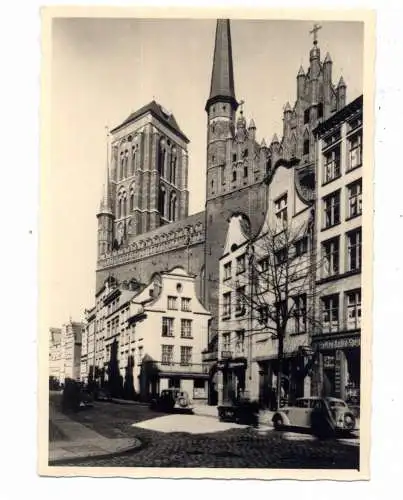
[205, 241]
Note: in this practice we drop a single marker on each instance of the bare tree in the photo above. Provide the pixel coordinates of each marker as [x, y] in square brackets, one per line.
[277, 293]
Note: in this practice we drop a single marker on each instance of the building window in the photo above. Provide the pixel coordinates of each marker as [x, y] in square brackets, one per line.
[172, 303]
[354, 250]
[167, 327]
[280, 209]
[167, 354]
[234, 157]
[239, 342]
[245, 171]
[354, 152]
[330, 256]
[233, 175]
[186, 355]
[131, 204]
[240, 300]
[306, 147]
[354, 199]
[186, 328]
[353, 306]
[240, 264]
[300, 313]
[330, 313]
[301, 246]
[320, 110]
[222, 169]
[280, 256]
[331, 210]
[173, 170]
[140, 355]
[227, 304]
[172, 207]
[306, 116]
[185, 304]
[161, 201]
[226, 341]
[227, 270]
[264, 264]
[331, 165]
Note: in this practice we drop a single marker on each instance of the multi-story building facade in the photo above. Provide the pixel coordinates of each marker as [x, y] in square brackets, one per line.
[171, 329]
[55, 353]
[71, 338]
[338, 240]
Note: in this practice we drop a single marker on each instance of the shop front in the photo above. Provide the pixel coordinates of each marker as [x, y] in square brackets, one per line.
[231, 380]
[338, 368]
[293, 379]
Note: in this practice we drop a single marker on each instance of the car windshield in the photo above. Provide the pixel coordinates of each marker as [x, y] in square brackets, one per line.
[334, 403]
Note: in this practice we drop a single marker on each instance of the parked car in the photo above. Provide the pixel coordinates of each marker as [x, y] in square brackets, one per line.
[241, 412]
[322, 415]
[171, 399]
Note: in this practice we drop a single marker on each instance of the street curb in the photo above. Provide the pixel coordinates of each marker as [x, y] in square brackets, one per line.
[126, 403]
[130, 449]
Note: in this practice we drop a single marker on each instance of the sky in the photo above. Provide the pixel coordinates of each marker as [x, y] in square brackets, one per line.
[104, 69]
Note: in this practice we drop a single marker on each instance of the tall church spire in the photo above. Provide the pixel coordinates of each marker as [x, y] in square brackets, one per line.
[105, 207]
[222, 77]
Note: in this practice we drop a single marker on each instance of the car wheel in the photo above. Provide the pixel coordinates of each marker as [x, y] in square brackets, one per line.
[349, 421]
[278, 422]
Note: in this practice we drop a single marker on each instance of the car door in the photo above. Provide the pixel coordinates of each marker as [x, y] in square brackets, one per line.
[300, 413]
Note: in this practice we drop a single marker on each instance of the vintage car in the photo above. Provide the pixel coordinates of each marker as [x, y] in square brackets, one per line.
[322, 415]
[241, 412]
[170, 400]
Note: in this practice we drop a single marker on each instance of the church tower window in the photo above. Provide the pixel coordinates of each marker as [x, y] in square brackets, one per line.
[161, 201]
[172, 207]
[131, 202]
[173, 169]
[234, 175]
[306, 146]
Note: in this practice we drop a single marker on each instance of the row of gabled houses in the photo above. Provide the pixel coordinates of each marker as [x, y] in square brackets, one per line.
[296, 283]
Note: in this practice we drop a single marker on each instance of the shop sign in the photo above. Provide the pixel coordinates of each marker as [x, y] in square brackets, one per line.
[339, 343]
[328, 362]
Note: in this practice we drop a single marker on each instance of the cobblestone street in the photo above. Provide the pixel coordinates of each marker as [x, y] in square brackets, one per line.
[239, 447]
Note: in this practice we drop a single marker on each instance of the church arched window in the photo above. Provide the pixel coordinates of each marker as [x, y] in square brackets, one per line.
[119, 208]
[161, 158]
[122, 166]
[161, 201]
[131, 199]
[126, 164]
[133, 160]
[173, 168]
[172, 207]
[124, 204]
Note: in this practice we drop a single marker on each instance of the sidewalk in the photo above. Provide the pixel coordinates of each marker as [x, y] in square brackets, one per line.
[205, 410]
[77, 441]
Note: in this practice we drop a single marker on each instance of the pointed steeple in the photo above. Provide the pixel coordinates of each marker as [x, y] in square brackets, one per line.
[263, 144]
[222, 77]
[341, 83]
[328, 59]
[252, 124]
[105, 207]
[301, 71]
[275, 139]
[287, 108]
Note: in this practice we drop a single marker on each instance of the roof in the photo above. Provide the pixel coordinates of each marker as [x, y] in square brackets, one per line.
[158, 112]
[340, 116]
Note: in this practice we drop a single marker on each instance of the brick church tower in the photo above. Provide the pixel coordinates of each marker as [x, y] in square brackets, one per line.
[146, 179]
[235, 165]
